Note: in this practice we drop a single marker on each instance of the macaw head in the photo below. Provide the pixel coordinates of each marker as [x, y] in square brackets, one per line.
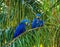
[26, 22]
[38, 16]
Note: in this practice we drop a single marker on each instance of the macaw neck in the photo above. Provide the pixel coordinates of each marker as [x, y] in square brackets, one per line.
[38, 19]
[23, 24]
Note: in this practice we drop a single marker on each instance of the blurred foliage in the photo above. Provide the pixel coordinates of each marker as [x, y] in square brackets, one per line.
[13, 11]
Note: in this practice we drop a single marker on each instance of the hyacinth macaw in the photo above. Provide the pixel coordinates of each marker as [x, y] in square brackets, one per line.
[37, 22]
[21, 27]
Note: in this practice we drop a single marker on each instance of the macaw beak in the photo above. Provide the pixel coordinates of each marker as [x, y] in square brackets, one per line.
[27, 23]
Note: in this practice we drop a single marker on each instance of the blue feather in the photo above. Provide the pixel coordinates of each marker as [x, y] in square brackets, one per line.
[21, 28]
[37, 23]
[38, 14]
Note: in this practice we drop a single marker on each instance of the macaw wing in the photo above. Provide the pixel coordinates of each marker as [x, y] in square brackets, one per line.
[20, 29]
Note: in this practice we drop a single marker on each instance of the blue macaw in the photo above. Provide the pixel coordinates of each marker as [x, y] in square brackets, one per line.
[37, 22]
[21, 27]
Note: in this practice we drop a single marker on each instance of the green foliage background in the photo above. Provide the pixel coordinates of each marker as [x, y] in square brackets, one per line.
[13, 11]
